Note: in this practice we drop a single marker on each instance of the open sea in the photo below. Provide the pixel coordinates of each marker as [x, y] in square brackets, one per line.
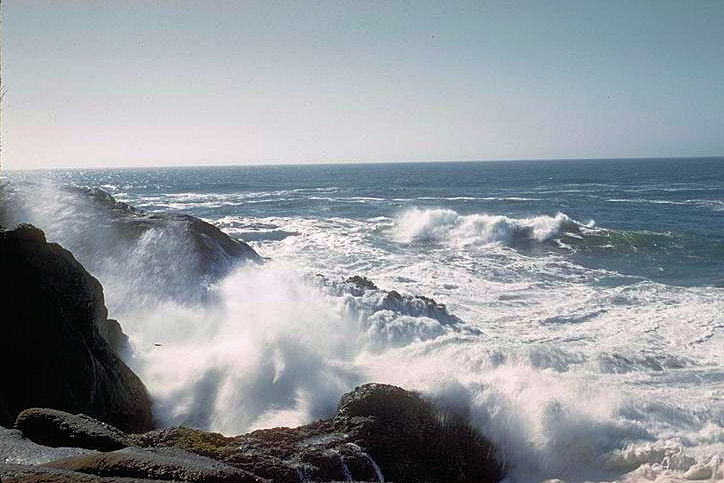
[592, 293]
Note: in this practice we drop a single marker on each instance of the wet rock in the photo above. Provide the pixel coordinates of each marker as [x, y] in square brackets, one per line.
[375, 299]
[306, 453]
[212, 252]
[411, 442]
[418, 306]
[362, 283]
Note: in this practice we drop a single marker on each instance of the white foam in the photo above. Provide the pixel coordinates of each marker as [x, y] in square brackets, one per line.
[448, 226]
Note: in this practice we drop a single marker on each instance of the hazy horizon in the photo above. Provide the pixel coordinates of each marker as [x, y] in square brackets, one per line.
[136, 84]
[360, 162]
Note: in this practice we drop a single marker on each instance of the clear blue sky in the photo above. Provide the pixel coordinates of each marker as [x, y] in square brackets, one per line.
[94, 83]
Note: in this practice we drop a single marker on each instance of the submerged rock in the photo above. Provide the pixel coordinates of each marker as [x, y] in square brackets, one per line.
[53, 354]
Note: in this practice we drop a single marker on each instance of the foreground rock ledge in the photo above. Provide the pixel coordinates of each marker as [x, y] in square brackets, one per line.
[380, 432]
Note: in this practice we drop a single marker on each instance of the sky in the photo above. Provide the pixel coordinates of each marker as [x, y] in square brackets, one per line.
[143, 83]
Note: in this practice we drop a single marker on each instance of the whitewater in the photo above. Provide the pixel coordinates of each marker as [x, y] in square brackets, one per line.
[584, 323]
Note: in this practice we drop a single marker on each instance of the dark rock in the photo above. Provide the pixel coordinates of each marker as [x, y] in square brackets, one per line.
[410, 442]
[205, 443]
[158, 463]
[51, 427]
[361, 282]
[53, 354]
[310, 452]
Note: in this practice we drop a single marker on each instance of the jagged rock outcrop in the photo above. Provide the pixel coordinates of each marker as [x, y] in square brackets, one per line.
[380, 432]
[412, 305]
[389, 318]
[53, 354]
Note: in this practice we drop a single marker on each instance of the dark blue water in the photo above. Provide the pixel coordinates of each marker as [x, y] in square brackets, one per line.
[660, 219]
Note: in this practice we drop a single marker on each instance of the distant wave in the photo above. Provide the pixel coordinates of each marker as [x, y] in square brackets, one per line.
[715, 205]
[443, 225]
[478, 198]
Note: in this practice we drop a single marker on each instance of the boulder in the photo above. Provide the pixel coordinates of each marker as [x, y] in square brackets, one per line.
[410, 441]
[51, 427]
[53, 354]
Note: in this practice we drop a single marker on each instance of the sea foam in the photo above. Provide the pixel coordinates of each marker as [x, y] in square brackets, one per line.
[444, 225]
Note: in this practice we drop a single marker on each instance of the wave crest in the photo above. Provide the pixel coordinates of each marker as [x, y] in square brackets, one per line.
[444, 225]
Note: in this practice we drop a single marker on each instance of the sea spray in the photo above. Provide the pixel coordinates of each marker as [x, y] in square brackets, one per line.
[443, 225]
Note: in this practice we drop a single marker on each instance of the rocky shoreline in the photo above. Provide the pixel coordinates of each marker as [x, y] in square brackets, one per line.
[80, 414]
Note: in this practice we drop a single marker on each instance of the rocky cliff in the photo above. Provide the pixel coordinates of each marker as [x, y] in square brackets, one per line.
[53, 353]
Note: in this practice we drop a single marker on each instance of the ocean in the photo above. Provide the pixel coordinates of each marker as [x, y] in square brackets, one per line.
[592, 295]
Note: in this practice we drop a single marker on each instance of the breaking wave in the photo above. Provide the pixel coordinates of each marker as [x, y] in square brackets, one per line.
[444, 225]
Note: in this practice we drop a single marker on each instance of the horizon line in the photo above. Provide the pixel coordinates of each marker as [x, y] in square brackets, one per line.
[333, 163]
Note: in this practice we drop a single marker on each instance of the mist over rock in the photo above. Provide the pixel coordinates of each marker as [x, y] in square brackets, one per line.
[215, 248]
[389, 318]
[53, 354]
[139, 256]
[410, 305]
